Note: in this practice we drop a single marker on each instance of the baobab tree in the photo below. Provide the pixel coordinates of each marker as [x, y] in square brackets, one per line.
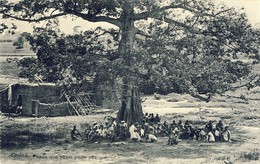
[162, 40]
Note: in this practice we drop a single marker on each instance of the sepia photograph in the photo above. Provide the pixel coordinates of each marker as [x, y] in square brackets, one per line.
[130, 81]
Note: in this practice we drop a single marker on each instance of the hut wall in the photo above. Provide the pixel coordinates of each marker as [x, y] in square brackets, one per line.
[52, 110]
[43, 93]
[4, 100]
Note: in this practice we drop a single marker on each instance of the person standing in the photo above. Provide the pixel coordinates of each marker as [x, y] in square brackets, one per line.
[209, 127]
[219, 126]
[218, 131]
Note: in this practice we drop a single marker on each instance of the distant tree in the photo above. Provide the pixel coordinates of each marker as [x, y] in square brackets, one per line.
[19, 44]
[177, 43]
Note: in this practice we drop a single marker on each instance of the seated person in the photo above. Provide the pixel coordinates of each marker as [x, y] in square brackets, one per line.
[93, 134]
[146, 119]
[5, 109]
[195, 133]
[186, 131]
[12, 109]
[122, 131]
[218, 134]
[151, 118]
[187, 125]
[87, 131]
[173, 137]
[111, 132]
[150, 138]
[152, 130]
[173, 124]
[164, 129]
[226, 135]
[75, 134]
[19, 110]
[219, 125]
[101, 131]
[202, 135]
[180, 126]
[134, 135]
[142, 131]
[211, 137]
[157, 119]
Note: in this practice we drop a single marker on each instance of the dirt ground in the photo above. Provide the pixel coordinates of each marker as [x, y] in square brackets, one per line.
[242, 118]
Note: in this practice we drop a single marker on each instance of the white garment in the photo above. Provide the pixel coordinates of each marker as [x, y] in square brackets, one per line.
[125, 125]
[114, 123]
[226, 135]
[211, 137]
[10, 94]
[111, 130]
[133, 133]
[102, 132]
[176, 130]
[152, 130]
[217, 133]
[152, 137]
[142, 132]
[202, 133]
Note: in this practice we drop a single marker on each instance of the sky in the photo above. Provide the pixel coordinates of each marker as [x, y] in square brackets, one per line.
[252, 9]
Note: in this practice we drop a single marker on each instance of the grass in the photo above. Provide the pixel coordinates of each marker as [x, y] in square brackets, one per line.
[8, 48]
[250, 156]
[45, 128]
[185, 152]
[242, 157]
[222, 158]
[9, 69]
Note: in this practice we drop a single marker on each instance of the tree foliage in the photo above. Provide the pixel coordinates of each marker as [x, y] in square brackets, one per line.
[62, 56]
[207, 62]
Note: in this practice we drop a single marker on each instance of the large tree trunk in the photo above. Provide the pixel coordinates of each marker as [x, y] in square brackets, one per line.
[131, 109]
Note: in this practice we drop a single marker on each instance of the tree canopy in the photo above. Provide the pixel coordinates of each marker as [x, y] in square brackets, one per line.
[175, 45]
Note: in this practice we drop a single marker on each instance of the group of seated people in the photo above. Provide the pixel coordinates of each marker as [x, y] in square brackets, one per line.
[116, 132]
[218, 134]
[207, 133]
[12, 109]
[149, 117]
[151, 128]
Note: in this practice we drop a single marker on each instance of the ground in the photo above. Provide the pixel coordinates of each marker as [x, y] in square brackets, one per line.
[243, 118]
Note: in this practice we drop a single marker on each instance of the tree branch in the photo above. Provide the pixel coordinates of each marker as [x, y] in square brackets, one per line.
[139, 32]
[199, 13]
[104, 31]
[242, 97]
[222, 12]
[147, 14]
[35, 20]
[93, 18]
[189, 28]
[249, 84]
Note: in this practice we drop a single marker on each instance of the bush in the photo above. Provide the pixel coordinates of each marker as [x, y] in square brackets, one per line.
[250, 156]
